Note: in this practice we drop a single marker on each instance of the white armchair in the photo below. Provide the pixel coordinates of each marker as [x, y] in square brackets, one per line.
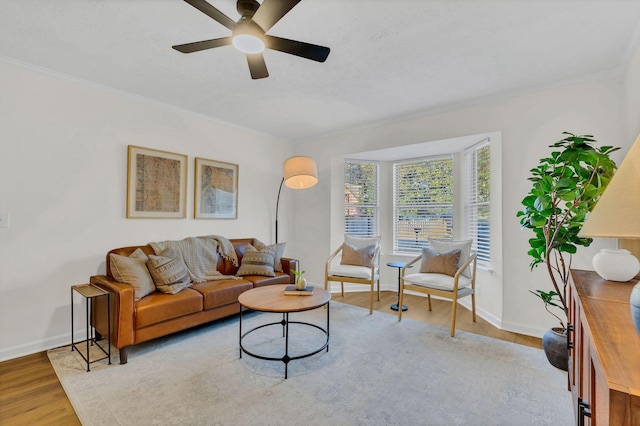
[442, 276]
[359, 263]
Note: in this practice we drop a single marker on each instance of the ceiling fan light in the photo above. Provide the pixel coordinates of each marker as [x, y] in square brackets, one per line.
[247, 43]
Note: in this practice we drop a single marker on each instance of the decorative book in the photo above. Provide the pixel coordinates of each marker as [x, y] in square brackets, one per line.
[291, 290]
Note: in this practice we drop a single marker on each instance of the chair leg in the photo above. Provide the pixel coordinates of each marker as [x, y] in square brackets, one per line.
[342, 287]
[473, 306]
[400, 300]
[429, 299]
[371, 300]
[453, 317]
[378, 290]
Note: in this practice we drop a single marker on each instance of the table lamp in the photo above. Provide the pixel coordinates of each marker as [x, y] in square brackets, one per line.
[617, 215]
[298, 173]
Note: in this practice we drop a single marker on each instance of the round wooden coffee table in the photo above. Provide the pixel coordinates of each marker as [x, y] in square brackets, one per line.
[271, 298]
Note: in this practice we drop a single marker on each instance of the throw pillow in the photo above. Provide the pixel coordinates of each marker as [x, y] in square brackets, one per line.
[464, 246]
[358, 256]
[361, 241]
[258, 262]
[278, 249]
[169, 272]
[132, 270]
[439, 263]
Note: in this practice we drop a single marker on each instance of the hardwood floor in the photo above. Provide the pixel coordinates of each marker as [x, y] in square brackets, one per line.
[30, 393]
[440, 315]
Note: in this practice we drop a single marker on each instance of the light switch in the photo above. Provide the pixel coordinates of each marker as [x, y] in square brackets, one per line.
[4, 220]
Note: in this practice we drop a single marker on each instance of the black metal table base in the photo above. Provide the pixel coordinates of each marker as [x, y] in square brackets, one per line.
[398, 265]
[395, 307]
[90, 339]
[285, 333]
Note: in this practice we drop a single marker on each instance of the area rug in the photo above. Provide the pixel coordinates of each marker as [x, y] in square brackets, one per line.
[378, 371]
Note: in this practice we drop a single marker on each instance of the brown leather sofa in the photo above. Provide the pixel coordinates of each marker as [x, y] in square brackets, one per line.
[159, 314]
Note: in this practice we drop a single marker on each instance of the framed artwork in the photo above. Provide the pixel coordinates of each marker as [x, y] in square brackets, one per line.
[156, 184]
[216, 190]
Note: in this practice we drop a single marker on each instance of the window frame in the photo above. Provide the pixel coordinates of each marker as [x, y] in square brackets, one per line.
[471, 205]
[433, 230]
[350, 228]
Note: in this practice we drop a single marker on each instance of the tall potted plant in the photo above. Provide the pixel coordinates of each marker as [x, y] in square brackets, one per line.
[565, 187]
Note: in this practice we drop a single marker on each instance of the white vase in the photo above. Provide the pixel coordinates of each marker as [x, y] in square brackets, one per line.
[301, 284]
[616, 265]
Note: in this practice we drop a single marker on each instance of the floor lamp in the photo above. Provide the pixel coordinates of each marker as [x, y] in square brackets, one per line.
[617, 215]
[298, 173]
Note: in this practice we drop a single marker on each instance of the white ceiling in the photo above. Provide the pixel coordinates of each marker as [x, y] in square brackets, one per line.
[389, 58]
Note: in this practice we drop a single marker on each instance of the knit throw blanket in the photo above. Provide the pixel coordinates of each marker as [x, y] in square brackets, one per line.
[200, 254]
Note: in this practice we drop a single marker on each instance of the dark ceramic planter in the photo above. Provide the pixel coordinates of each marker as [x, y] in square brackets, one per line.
[554, 343]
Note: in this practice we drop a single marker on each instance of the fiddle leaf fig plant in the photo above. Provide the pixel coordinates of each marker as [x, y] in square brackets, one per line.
[565, 187]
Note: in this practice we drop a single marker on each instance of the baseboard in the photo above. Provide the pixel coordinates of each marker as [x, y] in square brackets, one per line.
[40, 345]
[524, 329]
[33, 347]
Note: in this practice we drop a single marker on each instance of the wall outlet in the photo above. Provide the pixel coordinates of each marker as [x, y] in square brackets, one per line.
[4, 220]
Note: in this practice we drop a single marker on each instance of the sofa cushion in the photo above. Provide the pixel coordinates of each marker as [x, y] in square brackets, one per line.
[464, 246]
[358, 256]
[257, 262]
[439, 263]
[437, 281]
[259, 281]
[221, 292]
[169, 271]
[132, 270]
[351, 271]
[158, 307]
[278, 249]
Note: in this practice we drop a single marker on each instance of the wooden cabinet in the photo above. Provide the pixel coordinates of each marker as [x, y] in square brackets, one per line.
[604, 352]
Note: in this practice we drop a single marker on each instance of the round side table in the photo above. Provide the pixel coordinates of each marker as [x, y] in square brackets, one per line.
[398, 265]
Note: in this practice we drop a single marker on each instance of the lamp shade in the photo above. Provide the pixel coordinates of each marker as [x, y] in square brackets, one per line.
[617, 213]
[300, 172]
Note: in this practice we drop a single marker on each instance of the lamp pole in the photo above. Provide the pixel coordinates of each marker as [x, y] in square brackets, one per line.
[277, 205]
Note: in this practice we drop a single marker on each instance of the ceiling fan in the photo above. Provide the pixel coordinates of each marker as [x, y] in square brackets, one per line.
[248, 34]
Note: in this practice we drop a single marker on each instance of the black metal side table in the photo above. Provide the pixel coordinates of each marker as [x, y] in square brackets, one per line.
[398, 265]
[90, 292]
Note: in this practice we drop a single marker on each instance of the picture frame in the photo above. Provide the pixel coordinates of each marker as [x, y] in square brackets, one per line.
[156, 183]
[215, 190]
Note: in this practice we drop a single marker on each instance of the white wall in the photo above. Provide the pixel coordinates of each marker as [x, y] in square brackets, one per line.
[63, 168]
[632, 95]
[528, 125]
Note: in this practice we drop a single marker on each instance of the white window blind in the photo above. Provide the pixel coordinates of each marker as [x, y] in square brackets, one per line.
[423, 202]
[477, 199]
[361, 198]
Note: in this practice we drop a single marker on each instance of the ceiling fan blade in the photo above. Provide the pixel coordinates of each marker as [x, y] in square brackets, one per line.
[212, 12]
[257, 66]
[271, 11]
[202, 45]
[298, 48]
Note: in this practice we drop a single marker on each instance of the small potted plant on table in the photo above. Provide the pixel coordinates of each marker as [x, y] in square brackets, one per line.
[301, 281]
